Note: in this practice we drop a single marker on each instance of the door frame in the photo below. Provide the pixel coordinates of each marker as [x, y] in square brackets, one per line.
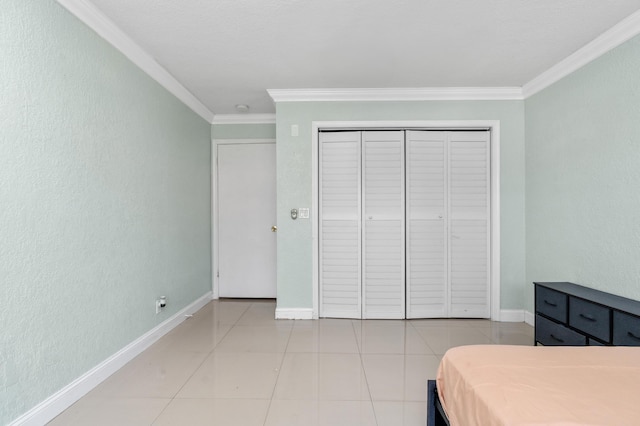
[214, 204]
[494, 143]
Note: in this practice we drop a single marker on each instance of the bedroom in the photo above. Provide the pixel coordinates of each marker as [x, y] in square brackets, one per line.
[103, 210]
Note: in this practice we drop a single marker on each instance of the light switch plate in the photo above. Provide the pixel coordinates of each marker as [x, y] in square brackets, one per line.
[303, 213]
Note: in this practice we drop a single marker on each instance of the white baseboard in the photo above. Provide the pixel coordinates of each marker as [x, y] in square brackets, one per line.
[65, 397]
[529, 318]
[511, 315]
[294, 313]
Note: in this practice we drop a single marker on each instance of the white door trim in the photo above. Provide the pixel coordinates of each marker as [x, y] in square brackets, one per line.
[214, 202]
[492, 125]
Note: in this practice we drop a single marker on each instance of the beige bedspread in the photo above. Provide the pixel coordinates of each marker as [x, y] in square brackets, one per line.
[525, 386]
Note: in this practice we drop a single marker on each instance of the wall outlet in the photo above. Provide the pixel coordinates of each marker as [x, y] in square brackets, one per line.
[161, 303]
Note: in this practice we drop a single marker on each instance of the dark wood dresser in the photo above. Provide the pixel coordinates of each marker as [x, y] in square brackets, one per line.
[569, 314]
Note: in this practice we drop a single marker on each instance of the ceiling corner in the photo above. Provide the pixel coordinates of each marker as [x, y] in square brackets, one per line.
[618, 34]
[105, 28]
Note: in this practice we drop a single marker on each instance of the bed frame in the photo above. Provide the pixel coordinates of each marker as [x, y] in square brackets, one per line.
[613, 320]
[435, 413]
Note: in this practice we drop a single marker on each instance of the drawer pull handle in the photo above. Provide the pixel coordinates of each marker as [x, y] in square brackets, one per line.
[557, 338]
[546, 302]
[633, 336]
[588, 317]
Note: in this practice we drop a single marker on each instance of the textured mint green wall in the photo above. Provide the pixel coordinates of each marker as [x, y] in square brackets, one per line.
[104, 202]
[243, 131]
[294, 182]
[583, 177]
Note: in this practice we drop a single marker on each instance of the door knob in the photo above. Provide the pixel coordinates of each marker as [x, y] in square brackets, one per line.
[274, 228]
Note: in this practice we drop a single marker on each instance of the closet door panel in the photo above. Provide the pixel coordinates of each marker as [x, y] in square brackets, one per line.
[383, 224]
[427, 270]
[340, 229]
[469, 207]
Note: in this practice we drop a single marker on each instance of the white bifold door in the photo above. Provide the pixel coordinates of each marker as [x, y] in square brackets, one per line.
[383, 224]
[448, 217]
[427, 233]
[340, 225]
[404, 224]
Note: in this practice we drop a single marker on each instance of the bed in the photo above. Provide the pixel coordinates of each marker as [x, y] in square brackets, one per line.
[536, 385]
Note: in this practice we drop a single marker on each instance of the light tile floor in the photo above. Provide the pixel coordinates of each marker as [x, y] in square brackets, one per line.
[232, 363]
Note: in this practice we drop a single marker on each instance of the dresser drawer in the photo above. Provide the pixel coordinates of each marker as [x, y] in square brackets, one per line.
[551, 303]
[626, 329]
[550, 333]
[590, 318]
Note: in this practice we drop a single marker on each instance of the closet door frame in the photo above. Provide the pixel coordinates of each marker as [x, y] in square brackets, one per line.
[494, 129]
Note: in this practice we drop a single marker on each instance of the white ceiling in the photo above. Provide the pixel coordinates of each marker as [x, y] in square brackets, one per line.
[228, 52]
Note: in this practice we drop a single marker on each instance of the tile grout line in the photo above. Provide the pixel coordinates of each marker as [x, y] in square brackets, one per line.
[364, 371]
[423, 339]
[273, 392]
[199, 365]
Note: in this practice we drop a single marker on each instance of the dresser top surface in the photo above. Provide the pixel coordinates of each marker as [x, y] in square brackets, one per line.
[607, 299]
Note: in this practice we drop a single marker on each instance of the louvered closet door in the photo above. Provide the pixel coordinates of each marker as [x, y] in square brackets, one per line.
[366, 269]
[340, 224]
[383, 224]
[427, 263]
[469, 219]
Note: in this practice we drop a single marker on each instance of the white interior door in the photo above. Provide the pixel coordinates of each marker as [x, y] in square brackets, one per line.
[246, 214]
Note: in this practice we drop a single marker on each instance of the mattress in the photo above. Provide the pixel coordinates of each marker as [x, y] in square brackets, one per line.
[536, 385]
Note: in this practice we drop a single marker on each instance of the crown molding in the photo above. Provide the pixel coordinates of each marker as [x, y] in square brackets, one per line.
[618, 34]
[244, 119]
[397, 94]
[106, 29]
